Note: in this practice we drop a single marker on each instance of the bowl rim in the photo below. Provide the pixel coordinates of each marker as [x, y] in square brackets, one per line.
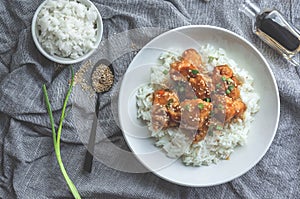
[62, 60]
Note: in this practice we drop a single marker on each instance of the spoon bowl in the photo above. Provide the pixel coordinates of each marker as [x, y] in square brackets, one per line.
[110, 80]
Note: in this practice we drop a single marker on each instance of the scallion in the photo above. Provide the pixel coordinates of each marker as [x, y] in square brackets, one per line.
[200, 106]
[219, 128]
[187, 107]
[195, 72]
[230, 87]
[211, 59]
[229, 80]
[207, 99]
[57, 134]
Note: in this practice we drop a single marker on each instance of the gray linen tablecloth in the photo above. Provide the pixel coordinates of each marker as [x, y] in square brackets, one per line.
[28, 166]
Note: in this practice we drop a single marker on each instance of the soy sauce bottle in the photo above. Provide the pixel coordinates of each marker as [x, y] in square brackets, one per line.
[275, 30]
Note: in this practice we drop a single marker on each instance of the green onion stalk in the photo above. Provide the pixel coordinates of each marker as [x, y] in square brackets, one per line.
[56, 136]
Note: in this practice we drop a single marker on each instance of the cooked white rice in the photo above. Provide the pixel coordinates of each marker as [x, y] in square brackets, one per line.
[217, 146]
[67, 28]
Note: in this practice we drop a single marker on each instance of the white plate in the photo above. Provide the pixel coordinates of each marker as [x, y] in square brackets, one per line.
[262, 130]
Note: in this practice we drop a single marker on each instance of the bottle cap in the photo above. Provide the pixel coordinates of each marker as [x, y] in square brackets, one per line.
[249, 8]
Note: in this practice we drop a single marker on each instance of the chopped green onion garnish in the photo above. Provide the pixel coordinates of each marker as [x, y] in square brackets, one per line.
[223, 78]
[211, 59]
[187, 107]
[218, 85]
[170, 101]
[229, 80]
[165, 72]
[207, 99]
[195, 72]
[219, 128]
[228, 91]
[200, 106]
[230, 87]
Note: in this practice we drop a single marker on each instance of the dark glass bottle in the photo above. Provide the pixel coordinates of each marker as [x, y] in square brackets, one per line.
[275, 30]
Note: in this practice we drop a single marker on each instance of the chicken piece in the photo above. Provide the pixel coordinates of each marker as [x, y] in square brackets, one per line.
[192, 56]
[165, 97]
[201, 133]
[165, 110]
[224, 70]
[186, 72]
[183, 89]
[225, 108]
[240, 108]
[159, 117]
[233, 88]
[233, 92]
[200, 86]
[194, 114]
[182, 70]
[224, 82]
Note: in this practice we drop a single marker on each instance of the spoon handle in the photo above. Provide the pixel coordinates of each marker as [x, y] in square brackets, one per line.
[91, 145]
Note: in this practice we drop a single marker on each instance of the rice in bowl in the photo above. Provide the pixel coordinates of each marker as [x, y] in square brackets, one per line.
[215, 146]
[67, 28]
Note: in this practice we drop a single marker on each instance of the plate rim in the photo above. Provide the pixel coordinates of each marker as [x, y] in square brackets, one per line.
[157, 173]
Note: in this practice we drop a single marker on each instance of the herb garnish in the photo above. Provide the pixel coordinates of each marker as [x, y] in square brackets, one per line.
[230, 87]
[195, 72]
[218, 85]
[220, 128]
[165, 72]
[170, 101]
[211, 59]
[200, 106]
[56, 137]
[207, 99]
[229, 80]
[187, 107]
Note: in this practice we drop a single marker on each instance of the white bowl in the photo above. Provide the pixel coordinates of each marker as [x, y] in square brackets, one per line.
[262, 129]
[63, 60]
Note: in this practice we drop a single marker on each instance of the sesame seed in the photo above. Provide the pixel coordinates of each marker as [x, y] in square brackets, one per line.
[102, 78]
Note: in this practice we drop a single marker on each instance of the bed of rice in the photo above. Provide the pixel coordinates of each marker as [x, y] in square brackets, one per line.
[215, 147]
[67, 28]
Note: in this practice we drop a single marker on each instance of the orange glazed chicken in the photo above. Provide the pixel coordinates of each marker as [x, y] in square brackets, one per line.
[198, 100]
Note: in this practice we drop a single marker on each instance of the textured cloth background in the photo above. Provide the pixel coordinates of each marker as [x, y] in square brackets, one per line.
[28, 167]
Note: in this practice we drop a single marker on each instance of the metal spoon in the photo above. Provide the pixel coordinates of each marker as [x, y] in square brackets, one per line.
[102, 81]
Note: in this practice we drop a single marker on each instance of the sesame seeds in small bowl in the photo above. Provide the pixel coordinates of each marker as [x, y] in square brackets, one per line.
[67, 31]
